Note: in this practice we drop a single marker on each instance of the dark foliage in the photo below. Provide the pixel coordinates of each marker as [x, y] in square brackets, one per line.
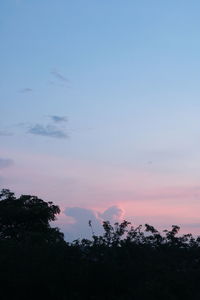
[27, 218]
[124, 263]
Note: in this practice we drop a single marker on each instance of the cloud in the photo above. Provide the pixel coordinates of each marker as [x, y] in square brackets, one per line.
[59, 119]
[6, 162]
[59, 76]
[55, 129]
[80, 227]
[113, 214]
[1, 180]
[48, 130]
[5, 133]
[81, 217]
[26, 90]
[190, 225]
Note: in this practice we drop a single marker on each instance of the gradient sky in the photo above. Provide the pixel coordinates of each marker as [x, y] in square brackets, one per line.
[100, 108]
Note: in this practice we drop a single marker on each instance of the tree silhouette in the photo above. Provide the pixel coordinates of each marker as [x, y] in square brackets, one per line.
[27, 217]
[125, 262]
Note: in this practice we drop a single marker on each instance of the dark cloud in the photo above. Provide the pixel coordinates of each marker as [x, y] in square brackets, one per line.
[26, 90]
[6, 162]
[59, 76]
[48, 130]
[59, 119]
[80, 228]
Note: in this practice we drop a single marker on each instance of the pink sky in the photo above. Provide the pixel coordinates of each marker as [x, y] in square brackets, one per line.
[145, 196]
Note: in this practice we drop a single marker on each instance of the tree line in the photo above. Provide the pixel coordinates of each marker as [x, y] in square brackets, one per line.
[125, 262]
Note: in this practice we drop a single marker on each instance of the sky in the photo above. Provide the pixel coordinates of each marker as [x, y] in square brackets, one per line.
[100, 105]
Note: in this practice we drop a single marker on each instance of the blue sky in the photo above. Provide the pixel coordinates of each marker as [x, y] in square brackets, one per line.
[123, 77]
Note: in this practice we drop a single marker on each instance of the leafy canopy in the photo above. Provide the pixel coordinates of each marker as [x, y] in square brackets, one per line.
[27, 216]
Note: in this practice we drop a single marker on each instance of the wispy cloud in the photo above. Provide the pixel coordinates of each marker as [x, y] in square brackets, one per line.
[59, 76]
[5, 133]
[6, 162]
[59, 119]
[48, 130]
[1, 179]
[25, 90]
